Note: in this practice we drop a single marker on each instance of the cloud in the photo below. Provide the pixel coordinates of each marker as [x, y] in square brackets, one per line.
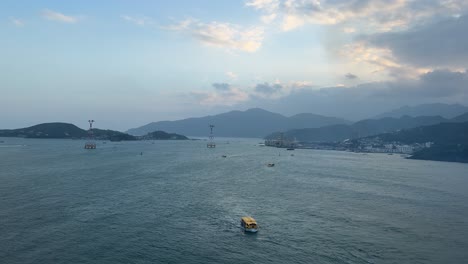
[349, 30]
[267, 89]
[59, 17]
[222, 35]
[268, 18]
[270, 5]
[352, 102]
[350, 76]
[376, 15]
[17, 22]
[138, 20]
[222, 86]
[443, 83]
[224, 94]
[231, 75]
[379, 62]
[440, 44]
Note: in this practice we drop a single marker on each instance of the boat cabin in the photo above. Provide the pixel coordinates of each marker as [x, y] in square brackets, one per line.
[249, 224]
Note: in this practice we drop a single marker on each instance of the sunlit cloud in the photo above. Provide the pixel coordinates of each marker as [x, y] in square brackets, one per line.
[59, 17]
[379, 61]
[269, 5]
[222, 35]
[377, 15]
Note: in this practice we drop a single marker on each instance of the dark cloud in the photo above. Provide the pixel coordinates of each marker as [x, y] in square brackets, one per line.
[442, 44]
[266, 88]
[350, 76]
[444, 83]
[367, 100]
[222, 86]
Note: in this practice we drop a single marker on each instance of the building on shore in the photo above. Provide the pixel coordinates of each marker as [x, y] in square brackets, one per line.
[280, 142]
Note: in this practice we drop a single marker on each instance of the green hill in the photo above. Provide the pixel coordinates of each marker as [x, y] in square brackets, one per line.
[443, 134]
[450, 141]
[161, 135]
[63, 130]
[47, 130]
[70, 131]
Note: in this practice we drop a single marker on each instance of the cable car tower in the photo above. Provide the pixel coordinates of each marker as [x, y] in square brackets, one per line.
[90, 144]
[211, 144]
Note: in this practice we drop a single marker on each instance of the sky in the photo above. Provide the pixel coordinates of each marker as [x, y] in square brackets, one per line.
[127, 63]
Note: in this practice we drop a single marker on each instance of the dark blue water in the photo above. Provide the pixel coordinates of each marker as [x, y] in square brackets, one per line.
[180, 202]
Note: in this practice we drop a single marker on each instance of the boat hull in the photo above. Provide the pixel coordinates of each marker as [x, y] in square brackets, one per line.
[251, 230]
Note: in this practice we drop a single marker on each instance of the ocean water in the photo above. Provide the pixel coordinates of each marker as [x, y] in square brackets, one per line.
[180, 202]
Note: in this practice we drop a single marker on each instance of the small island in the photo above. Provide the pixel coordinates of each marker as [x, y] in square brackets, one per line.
[69, 131]
[161, 135]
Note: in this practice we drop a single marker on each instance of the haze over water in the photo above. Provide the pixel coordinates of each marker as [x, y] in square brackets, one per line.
[180, 202]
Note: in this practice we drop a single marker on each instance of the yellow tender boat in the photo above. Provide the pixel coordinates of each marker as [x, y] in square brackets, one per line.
[249, 224]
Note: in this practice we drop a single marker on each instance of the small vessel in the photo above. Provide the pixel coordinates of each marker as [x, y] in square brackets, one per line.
[290, 149]
[270, 165]
[224, 156]
[261, 144]
[90, 145]
[249, 224]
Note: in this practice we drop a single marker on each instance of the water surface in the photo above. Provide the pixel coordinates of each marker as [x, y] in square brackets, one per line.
[180, 202]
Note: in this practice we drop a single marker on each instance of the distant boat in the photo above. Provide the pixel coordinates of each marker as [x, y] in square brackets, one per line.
[249, 224]
[270, 165]
[224, 156]
[261, 144]
[290, 149]
[90, 145]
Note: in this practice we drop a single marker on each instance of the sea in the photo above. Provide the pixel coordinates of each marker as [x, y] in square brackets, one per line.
[181, 202]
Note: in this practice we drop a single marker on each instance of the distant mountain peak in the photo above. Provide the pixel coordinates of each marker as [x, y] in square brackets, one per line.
[256, 109]
[433, 109]
[253, 122]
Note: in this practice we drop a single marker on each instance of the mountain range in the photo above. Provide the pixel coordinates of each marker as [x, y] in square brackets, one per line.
[257, 122]
[252, 123]
[444, 110]
[363, 128]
